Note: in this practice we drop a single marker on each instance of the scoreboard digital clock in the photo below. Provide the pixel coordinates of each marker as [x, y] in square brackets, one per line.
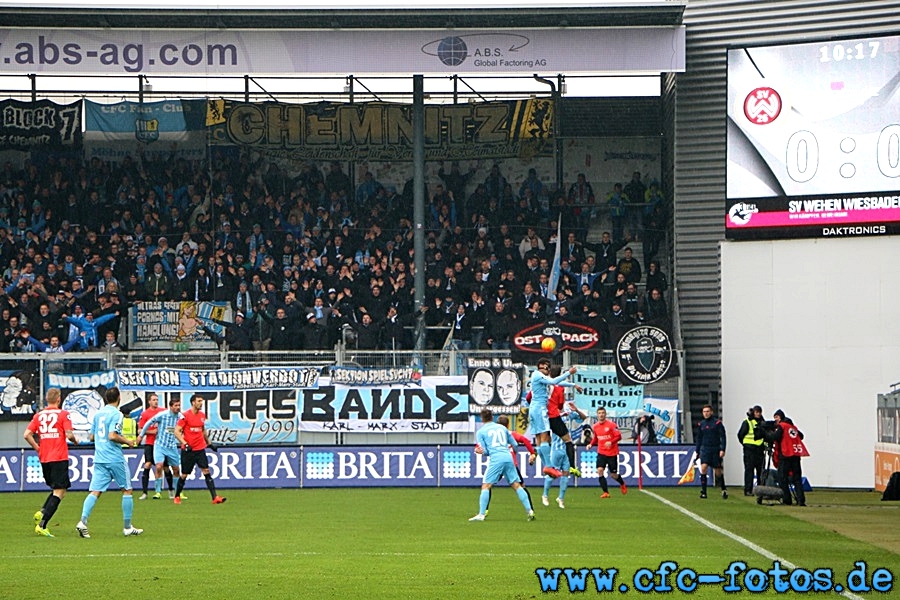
[813, 139]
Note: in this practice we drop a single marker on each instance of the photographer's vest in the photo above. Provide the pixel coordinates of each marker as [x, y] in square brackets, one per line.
[750, 438]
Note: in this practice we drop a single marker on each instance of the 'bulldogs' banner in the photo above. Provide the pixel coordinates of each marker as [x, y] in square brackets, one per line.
[438, 404]
[82, 396]
[644, 354]
[496, 384]
[39, 125]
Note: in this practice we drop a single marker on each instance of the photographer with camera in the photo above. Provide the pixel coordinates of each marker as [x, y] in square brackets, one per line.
[789, 448]
[750, 435]
[644, 431]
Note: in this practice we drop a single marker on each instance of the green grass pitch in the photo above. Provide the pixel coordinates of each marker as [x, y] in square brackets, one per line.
[418, 543]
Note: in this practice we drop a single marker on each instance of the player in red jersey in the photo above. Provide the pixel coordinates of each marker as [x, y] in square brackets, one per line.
[53, 428]
[190, 431]
[153, 408]
[606, 437]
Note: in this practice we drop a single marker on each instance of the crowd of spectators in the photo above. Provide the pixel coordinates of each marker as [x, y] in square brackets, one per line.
[307, 258]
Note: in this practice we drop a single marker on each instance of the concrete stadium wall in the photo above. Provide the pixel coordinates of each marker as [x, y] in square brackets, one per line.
[811, 327]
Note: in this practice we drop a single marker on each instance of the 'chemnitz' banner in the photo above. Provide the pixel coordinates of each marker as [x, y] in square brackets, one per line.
[438, 404]
[154, 129]
[174, 321]
[38, 125]
[256, 405]
[383, 131]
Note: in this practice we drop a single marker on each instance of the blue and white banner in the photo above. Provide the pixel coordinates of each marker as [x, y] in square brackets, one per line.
[82, 395]
[602, 390]
[439, 404]
[151, 129]
[250, 378]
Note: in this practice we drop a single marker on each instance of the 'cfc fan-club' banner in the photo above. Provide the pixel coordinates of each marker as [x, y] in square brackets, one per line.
[382, 131]
[151, 129]
[495, 383]
[39, 125]
[169, 322]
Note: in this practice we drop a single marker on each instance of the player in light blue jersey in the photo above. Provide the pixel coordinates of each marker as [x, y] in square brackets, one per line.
[109, 463]
[538, 419]
[166, 448]
[559, 459]
[494, 440]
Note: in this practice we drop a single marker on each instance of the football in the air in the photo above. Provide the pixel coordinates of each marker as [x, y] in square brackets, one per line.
[548, 344]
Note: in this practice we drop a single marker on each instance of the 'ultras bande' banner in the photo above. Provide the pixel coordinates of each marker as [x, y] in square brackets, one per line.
[255, 405]
[435, 404]
[39, 125]
[383, 131]
[153, 129]
[168, 322]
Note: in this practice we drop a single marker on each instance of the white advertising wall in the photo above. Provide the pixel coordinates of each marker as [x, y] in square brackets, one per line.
[811, 327]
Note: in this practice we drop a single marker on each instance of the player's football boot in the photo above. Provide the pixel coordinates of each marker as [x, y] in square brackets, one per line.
[143, 497]
[82, 530]
[703, 495]
[37, 517]
[559, 502]
[129, 531]
[604, 495]
[624, 488]
[219, 500]
[724, 495]
[530, 516]
[177, 499]
[554, 473]
[157, 496]
[574, 471]
[478, 517]
[42, 531]
[545, 500]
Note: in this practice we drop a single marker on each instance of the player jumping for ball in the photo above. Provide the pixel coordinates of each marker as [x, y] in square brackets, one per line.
[539, 424]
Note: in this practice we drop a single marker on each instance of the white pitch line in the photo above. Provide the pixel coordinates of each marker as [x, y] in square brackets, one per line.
[735, 537]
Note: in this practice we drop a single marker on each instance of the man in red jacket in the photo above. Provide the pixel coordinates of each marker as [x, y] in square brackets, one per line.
[789, 448]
